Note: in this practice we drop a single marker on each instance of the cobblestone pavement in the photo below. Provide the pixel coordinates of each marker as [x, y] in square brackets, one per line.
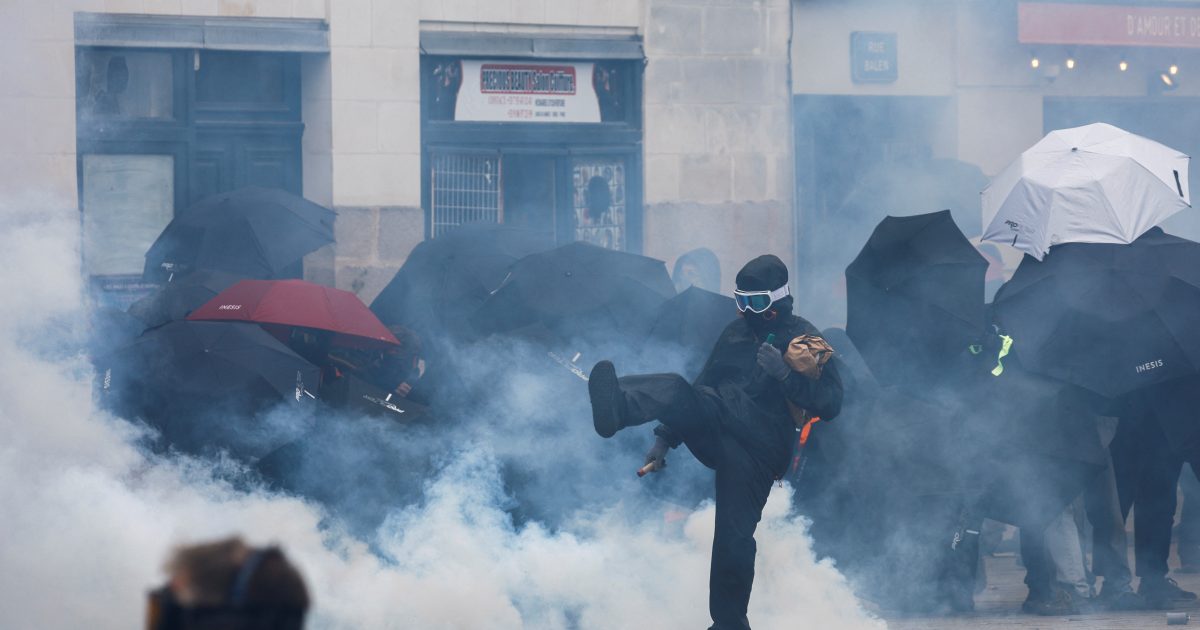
[999, 606]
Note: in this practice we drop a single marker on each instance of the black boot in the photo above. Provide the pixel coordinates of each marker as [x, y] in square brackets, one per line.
[608, 403]
[1162, 593]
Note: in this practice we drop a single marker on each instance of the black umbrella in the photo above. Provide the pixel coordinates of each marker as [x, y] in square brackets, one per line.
[254, 232]
[1110, 318]
[915, 297]
[579, 290]
[445, 280]
[692, 321]
[357, 395]
[175, 299]
[1173, 405]
[200, 382]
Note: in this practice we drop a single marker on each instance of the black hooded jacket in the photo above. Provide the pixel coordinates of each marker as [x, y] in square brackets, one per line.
[755, 404]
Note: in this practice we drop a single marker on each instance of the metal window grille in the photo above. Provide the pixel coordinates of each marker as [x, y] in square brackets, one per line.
[466, 189]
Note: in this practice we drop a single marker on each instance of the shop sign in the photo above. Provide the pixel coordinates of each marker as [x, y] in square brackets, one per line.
[518, 91]
[1108, 25]
[873, 57]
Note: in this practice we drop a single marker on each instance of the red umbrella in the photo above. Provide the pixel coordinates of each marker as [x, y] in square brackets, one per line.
[299, 303]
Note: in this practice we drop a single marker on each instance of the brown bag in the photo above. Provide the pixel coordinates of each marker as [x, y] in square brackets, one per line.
[807, 354]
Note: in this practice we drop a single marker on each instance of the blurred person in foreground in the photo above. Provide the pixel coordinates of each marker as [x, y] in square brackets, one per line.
[768, 375]
[228, 585]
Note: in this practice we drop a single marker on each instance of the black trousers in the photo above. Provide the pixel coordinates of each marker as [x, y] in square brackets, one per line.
[1040, 572]
[1110, 550]
[1147, 473]
[743, 482]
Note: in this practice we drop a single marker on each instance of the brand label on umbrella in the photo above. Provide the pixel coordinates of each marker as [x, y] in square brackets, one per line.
[229, 307]
[382, 403]
[1146, 367]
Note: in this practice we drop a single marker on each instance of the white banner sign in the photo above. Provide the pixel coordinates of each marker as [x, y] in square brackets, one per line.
[514, 91]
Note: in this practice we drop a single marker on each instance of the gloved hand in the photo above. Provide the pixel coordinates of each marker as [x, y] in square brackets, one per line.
[770, 359]
[658, 454]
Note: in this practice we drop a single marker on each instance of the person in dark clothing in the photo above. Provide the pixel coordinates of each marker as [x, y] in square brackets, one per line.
[1147, 473]
[1109, 545]
[739, 418]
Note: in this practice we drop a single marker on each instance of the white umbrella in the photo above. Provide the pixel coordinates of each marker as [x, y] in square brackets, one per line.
[1090, 184]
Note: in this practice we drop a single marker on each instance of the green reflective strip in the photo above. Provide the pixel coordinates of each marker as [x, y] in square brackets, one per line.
[1005, 346]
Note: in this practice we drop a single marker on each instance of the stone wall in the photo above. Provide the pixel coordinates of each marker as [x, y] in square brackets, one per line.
[718, 130]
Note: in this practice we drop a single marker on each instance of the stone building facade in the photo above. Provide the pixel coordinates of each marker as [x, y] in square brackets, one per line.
[712, 165]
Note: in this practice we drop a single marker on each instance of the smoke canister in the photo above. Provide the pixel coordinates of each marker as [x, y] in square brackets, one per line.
[1177, 619]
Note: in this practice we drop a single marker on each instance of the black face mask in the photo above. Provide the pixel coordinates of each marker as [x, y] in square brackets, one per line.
[771, 320]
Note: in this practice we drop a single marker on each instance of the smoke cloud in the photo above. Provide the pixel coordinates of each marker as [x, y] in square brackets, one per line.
[91, 511]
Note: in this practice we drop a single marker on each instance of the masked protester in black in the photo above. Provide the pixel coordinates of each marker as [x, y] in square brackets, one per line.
[735, 419]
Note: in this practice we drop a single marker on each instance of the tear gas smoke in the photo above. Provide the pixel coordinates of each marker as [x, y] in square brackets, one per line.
[90, 512]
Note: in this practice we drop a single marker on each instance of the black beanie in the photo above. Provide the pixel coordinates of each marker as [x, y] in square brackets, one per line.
[765, 273]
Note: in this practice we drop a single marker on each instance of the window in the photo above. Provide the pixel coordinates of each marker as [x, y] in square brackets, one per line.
[465, 189]
[123, 84]
[226, 77]
[599, 201]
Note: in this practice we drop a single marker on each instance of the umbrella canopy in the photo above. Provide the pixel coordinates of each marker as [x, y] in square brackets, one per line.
[1173, 406]
[693, 319]
[199, 382]
[174, 300]
[579, 290]
[252, 232]
[445, 280]
[1109, 318]
[1090, 184]
[355, 394]
[302, 304]
[915, 296]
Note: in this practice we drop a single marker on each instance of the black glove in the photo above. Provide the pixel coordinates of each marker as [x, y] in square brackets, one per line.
[770, 359]
[658, 454]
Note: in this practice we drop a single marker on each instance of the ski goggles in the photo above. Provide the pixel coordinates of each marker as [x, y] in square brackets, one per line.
[759, 301]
